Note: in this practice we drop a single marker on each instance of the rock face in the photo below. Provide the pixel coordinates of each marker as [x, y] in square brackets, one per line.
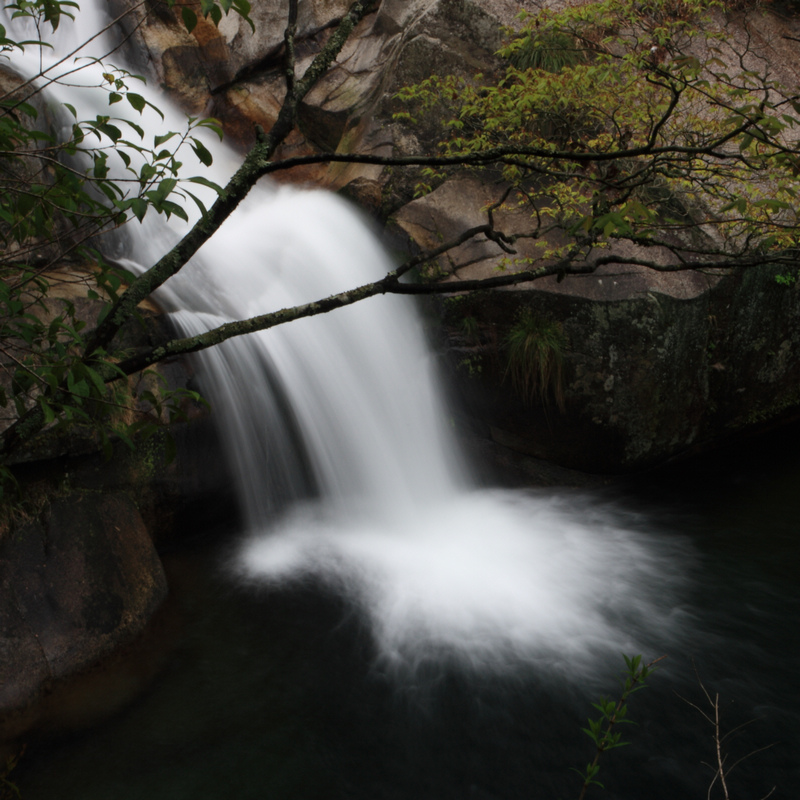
[76, 583]
[646, 377]
[80, 577]
[653, 365]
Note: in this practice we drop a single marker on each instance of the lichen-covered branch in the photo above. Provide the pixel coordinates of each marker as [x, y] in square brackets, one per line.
[254, 166]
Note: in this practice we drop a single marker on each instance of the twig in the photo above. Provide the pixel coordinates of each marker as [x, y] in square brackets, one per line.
[721, 770]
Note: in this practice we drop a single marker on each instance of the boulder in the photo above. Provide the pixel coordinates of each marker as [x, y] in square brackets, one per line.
[78, 580]
[654, 365]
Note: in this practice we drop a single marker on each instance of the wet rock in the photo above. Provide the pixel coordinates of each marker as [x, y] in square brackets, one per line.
[645, 378]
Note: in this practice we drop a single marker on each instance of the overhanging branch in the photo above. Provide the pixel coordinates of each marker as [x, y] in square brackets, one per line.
[234, 192]
[124, 309]
[390, 284]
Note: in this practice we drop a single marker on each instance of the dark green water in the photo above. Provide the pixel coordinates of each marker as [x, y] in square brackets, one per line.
[276, 693]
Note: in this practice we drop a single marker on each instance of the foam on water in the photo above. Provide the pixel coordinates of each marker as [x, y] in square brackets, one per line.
[494, 578]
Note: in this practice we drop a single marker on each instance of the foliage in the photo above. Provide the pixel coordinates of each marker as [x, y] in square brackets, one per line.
[602, 730]
[8, 789]
[62, 372]
[535, 348]
[214, 9]
[57, 197]
[662, 143]
[550, 53]
[787, 279]
[470, 328]
[665, 133]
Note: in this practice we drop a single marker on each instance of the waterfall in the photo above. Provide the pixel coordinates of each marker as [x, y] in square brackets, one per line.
[341, 405]
[348, 474]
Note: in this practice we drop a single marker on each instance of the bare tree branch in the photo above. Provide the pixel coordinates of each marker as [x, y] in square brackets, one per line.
[289, 56]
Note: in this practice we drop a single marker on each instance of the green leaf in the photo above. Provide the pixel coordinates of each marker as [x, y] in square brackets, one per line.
[137, 101]
[170, 208]
[95, 378]
[198, 202]
[112, 131]
[210, 184]
[146, 174]
[47, 410]
[100, 165]
[80, 388]
[159, 140]
[139, 207]
[189, 18]
[166, 187]
[202, 152]
[213, 125]
[243, 9]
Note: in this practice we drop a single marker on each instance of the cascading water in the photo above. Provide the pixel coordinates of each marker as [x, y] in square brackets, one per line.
[326, 385]
[337, 435]
[337, 423]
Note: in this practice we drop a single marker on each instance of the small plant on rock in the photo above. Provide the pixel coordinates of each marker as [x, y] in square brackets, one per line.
[535, 349]
[548, 51]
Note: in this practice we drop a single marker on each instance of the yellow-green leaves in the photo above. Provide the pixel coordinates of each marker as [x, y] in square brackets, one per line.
[627, 120]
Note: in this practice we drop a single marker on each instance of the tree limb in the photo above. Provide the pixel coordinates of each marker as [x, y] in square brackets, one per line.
[254, 166]
[390, 284]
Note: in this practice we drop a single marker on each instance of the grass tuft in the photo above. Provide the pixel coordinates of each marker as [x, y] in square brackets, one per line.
[535, 348]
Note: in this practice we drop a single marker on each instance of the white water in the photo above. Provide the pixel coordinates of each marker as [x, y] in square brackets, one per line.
[439, 566]
[338, 438]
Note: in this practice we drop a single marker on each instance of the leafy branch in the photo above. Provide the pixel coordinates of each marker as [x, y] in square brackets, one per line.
[602, 730]
[653, 142]
[92, 353]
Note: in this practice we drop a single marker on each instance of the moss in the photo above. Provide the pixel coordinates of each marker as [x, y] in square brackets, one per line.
[769, 411]
[150, 457]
